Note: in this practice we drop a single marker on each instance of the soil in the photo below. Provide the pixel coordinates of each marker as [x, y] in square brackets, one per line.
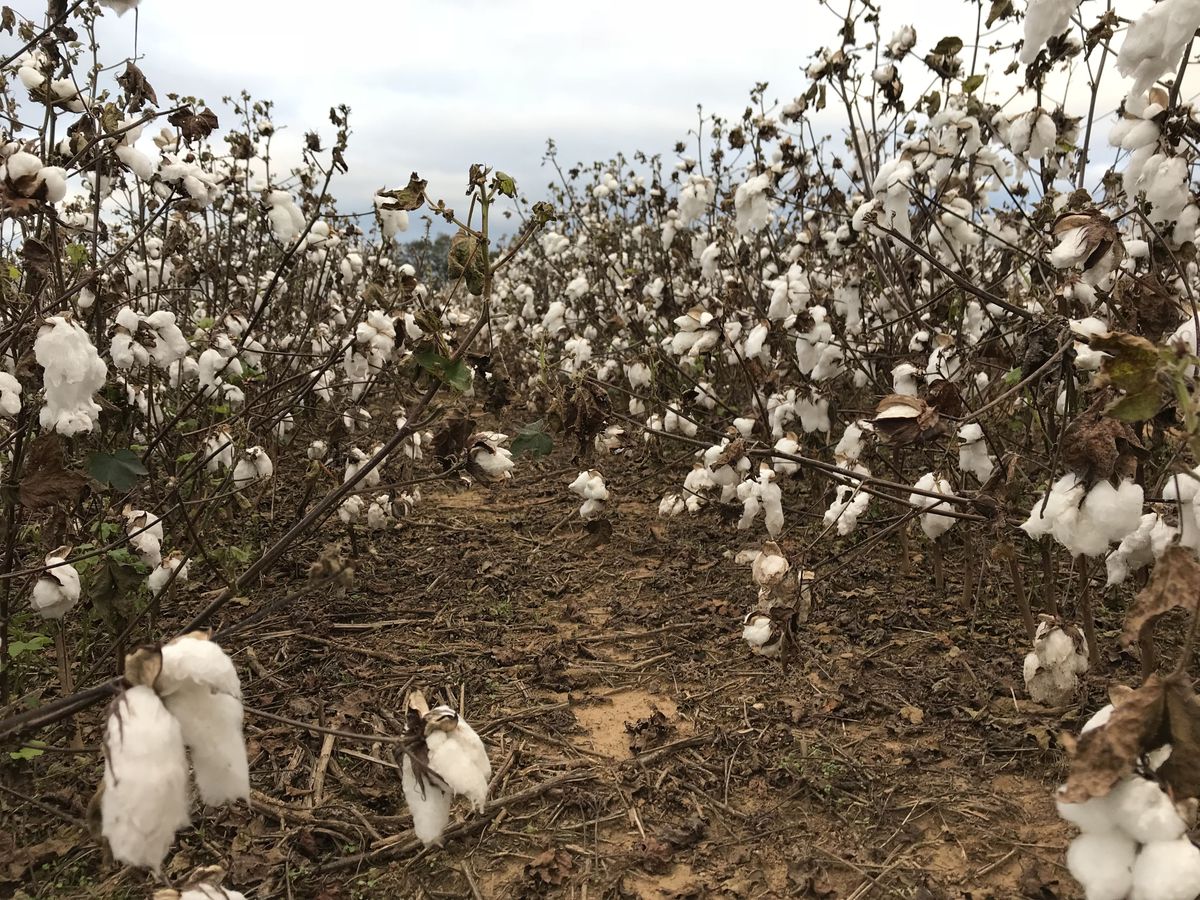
[639, 749]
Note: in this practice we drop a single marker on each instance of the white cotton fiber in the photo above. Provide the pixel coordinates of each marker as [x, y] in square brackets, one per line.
[428, 803]
[1102, 862]
[1167, 870]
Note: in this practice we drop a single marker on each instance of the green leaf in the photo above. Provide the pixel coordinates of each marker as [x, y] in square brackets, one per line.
[1011, 377]
[505, 184]
[532, 439]
[25, 754]
[1137, 407]
[948, 46]
[14, 274]
[17, 649]
[77, 254]
[119, 470]
[457, 374]
[972, 84]
[206, 323]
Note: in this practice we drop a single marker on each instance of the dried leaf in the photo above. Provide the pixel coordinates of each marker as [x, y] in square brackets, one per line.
[1104, 756]
[901, 419]
[1094, 443]
[1181, 771]
[1174, 584]
[406, 198]
[194, 125]
[137, 88]
[46, 481]
[551, 867]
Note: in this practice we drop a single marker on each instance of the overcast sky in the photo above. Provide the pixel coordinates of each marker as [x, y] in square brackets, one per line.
[435, 86]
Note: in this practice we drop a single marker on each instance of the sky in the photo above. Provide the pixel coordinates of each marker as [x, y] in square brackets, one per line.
[437, 85]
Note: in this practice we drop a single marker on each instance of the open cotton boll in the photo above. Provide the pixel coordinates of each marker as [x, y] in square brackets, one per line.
[351, 509]
[1094, 815]
[57, 590]
[203, 892]
[849, 503]
[1051, 670]
[1043, 20]
[759, 633]
[671, 505]
[933, 524]
[1139, 548]
[1153, 45]
[1144, 812]
[200, 686]
[1102, 863]
[1065, 496]
[1167, 870]
[287, 221]
[973, 454]
[158, 579]
[145, 779]
[786, 444]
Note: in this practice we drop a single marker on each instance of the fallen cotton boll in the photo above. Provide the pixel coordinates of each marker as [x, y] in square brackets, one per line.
[57, 590]
[200, 686]
[143, 798]
[1102, 862]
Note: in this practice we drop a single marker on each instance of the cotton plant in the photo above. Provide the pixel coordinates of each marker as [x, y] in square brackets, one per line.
[591, 487]
[445, 759]
[784, 600]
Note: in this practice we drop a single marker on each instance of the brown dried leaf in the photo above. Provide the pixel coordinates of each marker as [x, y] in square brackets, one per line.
[551, 867]
[451, 440]
[1104, 756]
[1181, 771]
[1094, 442]
[46, 481]
[406, 198]
[137, 88]
[194, 125]
[1174, 584]
[901, 419]
[731, 454]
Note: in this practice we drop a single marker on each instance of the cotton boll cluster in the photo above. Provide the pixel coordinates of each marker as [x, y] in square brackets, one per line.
[932, 523]
[695, 198]
[1086, 521]
[450, 760]
[590, 486]
[73, 373]
[752, 203]
[1133, 842]
[1053, 667]
[57, 589]
[1154, 43]
[761, 494]
[973, 454]
[253, 466]
[487, 460]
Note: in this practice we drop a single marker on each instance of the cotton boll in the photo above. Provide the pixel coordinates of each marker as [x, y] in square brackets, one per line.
[1094, 816]
[351, 509]
[1051, 670]
[457, 755]
[1043, 20]
[1144, 812]
[145, 779]
[671, 505]
[760, 634]
[1167, 870]
[973, 455]
[200, 686]
[1102, 862]
[57, 590]
[933, 524]
[158, 579]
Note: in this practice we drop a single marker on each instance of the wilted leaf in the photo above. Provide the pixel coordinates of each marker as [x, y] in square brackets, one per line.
[1094, 443]
[972, 84]
[119, 470]
[194, 125]
[1181, 771]
[1174, 584]
[948, 46]
[532, 439]
[1133, 361]
[1001, 9]
[37, 256]
[46, 481]
[1104, 756]
[505, 184]
[406, 198]
[467, 260]
[1137, 407]
[137, 88]
[457, 374]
